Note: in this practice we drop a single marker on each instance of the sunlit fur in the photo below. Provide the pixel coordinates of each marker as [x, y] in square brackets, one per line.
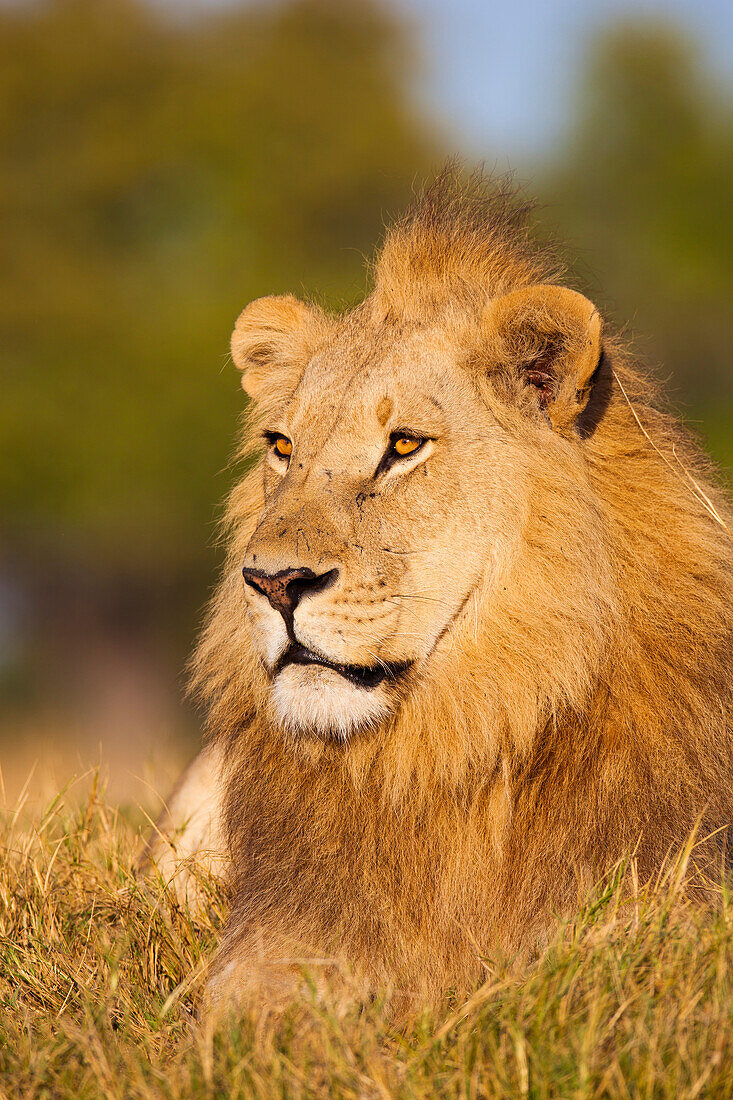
[578, 706]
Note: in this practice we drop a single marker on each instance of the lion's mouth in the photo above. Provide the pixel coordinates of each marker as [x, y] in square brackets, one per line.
[366, 677]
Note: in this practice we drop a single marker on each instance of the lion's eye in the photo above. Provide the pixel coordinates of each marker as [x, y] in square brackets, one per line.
[406, 445]
[280, 444]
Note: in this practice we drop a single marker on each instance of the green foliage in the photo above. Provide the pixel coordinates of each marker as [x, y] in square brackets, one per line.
[101, 976]
[154, 177]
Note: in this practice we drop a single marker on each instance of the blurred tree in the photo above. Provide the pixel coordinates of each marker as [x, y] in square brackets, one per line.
[154, 176]
[645, 190]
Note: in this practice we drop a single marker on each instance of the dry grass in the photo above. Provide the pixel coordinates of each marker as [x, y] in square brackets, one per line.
[100, 975]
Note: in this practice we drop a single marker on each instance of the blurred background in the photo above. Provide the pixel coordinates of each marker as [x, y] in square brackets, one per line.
[163, 163]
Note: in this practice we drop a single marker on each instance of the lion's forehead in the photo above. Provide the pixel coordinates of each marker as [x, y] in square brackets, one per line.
[358, 385]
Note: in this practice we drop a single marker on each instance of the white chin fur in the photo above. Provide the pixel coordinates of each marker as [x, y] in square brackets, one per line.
[319, 702]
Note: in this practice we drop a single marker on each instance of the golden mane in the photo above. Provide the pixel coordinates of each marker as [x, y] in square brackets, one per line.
[458, 245]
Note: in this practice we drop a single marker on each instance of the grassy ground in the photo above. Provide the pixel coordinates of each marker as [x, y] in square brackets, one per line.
[100, 977]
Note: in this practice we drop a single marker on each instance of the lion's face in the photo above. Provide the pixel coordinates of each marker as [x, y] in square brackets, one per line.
[391, 499]
[382, 497]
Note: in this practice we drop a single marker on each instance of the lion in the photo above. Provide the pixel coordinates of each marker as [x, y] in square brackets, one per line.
[473, 642]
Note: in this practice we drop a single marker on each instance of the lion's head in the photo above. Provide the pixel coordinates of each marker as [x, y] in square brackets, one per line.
[406, 444]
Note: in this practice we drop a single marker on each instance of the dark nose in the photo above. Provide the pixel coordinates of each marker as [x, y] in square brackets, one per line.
[285, 589]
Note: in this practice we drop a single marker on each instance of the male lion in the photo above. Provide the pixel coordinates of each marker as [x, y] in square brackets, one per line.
[474, 638]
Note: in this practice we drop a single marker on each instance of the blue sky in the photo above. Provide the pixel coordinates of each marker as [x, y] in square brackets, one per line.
[503, 73]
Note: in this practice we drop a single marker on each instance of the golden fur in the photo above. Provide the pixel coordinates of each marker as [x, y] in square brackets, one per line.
[550, 570]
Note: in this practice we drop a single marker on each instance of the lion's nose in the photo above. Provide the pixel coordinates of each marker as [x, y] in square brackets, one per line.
[285, 589]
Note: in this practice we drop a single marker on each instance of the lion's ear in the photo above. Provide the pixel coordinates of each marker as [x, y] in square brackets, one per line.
[549, 339]
[272, 341]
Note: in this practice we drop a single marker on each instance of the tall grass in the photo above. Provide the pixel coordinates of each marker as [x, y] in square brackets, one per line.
[100, 977]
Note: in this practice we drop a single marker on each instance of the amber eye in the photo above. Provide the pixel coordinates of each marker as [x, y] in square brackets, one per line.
[406, 445]
[280, 444]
